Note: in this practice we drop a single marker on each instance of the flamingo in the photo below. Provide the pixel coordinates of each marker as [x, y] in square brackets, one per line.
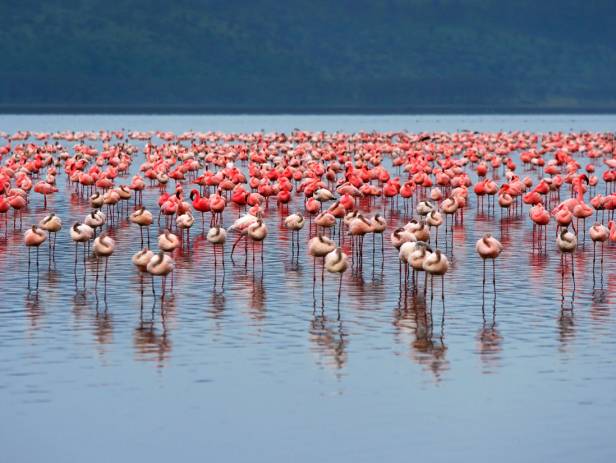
[319, 246]
[95, 219]
[437, 264]
[143, 218]
[378, 225]
[51, 224]
[241, 225]
[217, 206]
[434, 219]
[567, 244]
[582, 211]
[489, 247]
[97, 200]
[599, 233]
[34, 237]
[81, 233]
[419, 229]
[104, 246]
[400, 236]
[185, 222]
[612, 227]
[257, 232]
[200, 204]
[18, 203]
[161, 264]
[45, 189]
[424, 208]
[336, 262]
[358, 228]
[168, 242]
[294, 222]
[540, 218]
[325, 220]
[217, 237]
[141, 259]
[4, 210]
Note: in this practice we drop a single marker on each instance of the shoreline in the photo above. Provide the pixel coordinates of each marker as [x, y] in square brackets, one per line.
[305, 111]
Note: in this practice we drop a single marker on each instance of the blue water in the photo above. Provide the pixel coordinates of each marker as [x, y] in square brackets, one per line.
[258, 371]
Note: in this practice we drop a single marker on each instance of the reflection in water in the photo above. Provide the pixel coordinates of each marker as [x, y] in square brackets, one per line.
[566, 325]
[80, 305]
[566, 328]
[427, 349]
[150, 346]
[329, 341]
[257, 299]
[103, 327]
[489, 340]
[33, 308]
[600, 309]
[217, 304]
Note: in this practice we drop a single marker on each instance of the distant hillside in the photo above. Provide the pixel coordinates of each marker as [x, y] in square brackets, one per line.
[297, 55]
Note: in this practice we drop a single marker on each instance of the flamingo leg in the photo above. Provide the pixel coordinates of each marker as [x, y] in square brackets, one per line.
[29, 253]
[573, 270]
[339, 293]
[443, 288]
[96, 280]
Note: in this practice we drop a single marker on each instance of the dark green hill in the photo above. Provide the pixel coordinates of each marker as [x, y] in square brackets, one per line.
[310, 55]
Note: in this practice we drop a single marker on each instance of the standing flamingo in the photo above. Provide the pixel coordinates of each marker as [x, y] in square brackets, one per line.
[185, 222]
[95, 219]
[294, 222]
[143, 218]
[541, 218]
[489, 247]
[257, 232]
[4, 210]
[336, 262]
[217, 237]
[437, 264]
[81, 233]
[34, 237]
[434, 219]
[319, 246]
[161, 264]
[598, 233]
[18, 203]
[567, 244]
[51, 224]
[168, 242]
[141, 259]
[200, 204]
[104, 246]
[379, 225]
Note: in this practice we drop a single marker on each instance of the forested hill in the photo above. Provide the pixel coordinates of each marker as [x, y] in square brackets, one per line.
[303, 55]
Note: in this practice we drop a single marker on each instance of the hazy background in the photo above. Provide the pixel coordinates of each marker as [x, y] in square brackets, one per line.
[307, 55]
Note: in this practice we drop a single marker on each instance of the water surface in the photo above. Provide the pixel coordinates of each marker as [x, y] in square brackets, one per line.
[259, 370]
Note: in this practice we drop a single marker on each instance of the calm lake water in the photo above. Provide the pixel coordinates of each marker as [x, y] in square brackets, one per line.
[258, 370]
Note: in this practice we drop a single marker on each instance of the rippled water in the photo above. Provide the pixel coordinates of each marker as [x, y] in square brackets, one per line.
[259, 370]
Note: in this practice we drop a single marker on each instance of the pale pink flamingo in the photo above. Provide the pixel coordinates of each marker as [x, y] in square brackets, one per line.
[34, 237]
[489, 247]
[104, 246]
[336, 262]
